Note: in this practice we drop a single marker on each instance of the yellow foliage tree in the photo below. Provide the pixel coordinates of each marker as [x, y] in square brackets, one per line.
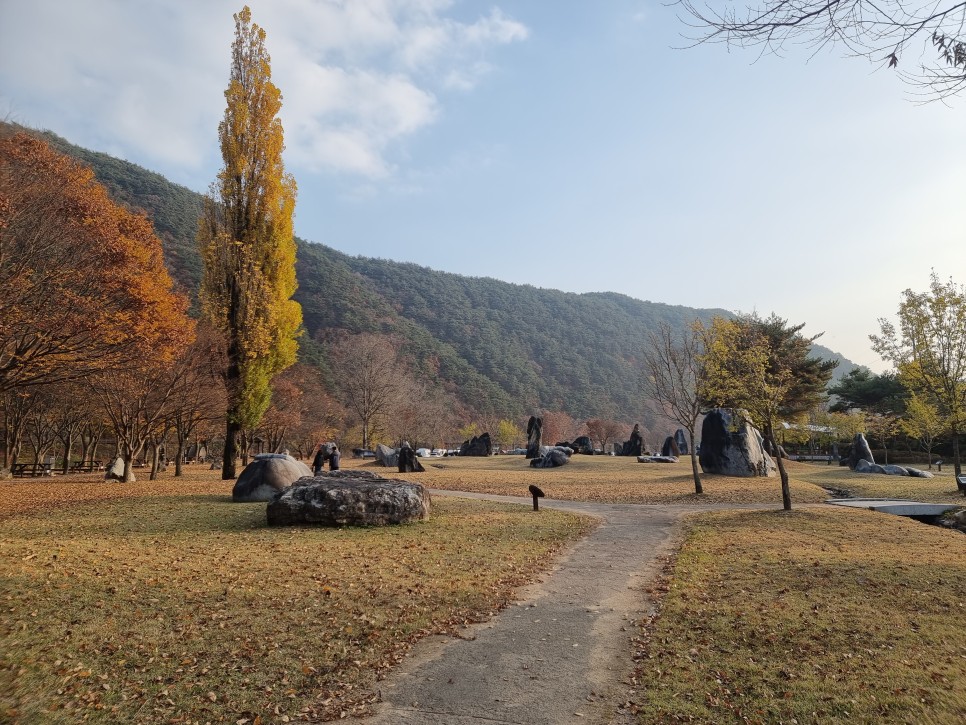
[247, 240]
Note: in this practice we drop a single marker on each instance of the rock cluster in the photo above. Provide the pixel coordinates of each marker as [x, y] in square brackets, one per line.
[552, 457]
[863, 466]
[349, 498]
[477, 446]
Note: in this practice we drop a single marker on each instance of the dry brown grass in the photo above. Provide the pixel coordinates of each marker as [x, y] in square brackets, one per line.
[939, 489]
[814, 616]
[609, 479]
[165, 602]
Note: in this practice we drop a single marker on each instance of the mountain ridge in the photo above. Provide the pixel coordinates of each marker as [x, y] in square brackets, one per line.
[503, 349]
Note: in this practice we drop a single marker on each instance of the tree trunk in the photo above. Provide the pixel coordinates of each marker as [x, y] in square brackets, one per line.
[786, 492]
[957, 465]
[179, 457]
[155, 462]
[231, 448]
[694, 463]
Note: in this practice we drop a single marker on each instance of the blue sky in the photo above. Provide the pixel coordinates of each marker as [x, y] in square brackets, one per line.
[569, 145]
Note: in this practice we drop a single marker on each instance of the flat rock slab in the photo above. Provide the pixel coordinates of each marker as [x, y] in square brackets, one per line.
[900, 507]
[559, 655]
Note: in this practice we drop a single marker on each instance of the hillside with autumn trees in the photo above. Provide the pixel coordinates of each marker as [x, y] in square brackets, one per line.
[499, 349]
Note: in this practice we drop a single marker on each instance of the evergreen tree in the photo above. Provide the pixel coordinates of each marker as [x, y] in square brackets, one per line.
[246, 239]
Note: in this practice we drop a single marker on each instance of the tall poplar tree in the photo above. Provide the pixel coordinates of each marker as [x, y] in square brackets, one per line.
[246, 239]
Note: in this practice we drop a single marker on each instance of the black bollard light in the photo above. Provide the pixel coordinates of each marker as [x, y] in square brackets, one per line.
[537, 495]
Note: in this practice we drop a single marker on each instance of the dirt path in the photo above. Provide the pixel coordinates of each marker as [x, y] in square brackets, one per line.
[559, 655]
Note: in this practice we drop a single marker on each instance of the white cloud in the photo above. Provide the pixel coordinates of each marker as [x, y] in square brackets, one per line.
[145, 79]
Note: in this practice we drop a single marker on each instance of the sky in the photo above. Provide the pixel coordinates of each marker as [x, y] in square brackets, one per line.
[576, 145]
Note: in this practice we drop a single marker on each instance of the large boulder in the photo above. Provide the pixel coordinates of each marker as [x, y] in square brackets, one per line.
[657, 459]
[534, 435]
[635, 445]
[266, 475]
[681, 438]
[732, 446]
[387, 456]
[115, 471]
[670, 447]
[477, 446]
[863, 466]
[349, 498]
[583, 445]
[407, 460]
[860, 452]
[552, 457]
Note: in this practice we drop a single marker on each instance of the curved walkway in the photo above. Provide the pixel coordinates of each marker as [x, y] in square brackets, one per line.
[562, 653]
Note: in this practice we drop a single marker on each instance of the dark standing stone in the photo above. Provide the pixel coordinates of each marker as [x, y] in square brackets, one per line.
[732, 446]
[266, 475]
[349, 498]
[682, 440]
[408, 463]
[860, 451]
[534, 434]
[477, 446]
[670, 447]
[634, 446]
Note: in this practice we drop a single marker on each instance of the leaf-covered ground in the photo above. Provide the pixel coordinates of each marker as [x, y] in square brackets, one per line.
[608, 479]
[165, 602]
[820, 615]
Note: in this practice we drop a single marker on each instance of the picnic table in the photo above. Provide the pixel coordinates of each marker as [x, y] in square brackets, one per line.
[22, 470]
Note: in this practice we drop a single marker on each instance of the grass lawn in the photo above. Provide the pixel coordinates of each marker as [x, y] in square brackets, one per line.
[165, 602]
[820, 615]
[939, 489]
[610, 479]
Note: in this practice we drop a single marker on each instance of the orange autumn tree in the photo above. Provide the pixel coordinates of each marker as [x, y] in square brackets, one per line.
[247, 241]
[83, 288]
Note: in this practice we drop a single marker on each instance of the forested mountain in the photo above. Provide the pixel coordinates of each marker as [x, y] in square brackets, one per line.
[502, 349]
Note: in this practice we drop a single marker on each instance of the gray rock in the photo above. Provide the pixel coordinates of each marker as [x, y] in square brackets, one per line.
[266, 475]
[894, 470]
[860, 452]
[670, 447]
[863, 466]
[407, 460]
[552, 457]
[477, 446]
[582, 445]
[732, 446]
[115, 471]
[349, 498]
[918, 472]
[681, 438]
[657, 459]
[387, 456]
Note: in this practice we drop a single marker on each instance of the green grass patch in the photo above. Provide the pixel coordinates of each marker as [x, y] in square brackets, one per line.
[817, 615]
[185, 608]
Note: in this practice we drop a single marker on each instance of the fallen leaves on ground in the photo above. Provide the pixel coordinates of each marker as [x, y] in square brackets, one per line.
[815, 615]
[165, 602]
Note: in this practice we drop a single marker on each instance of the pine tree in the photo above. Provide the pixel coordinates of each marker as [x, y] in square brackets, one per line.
[247, 241]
